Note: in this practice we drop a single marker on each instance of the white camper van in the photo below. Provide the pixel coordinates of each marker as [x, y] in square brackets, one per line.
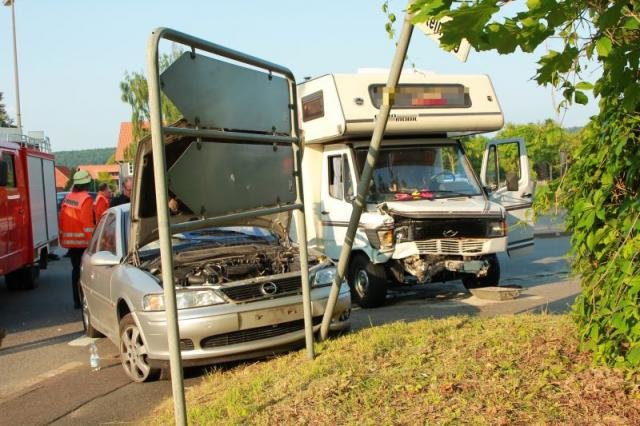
[428, 216]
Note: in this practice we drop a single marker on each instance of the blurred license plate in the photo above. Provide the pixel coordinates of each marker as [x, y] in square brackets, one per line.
[270, 316]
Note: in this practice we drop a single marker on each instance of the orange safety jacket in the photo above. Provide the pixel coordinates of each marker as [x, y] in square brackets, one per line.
[100, 205]
[76, 220]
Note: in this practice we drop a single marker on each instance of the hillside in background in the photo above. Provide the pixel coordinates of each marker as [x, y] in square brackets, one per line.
[72, 159]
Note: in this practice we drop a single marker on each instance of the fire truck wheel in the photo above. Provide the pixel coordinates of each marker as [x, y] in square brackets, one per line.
[23, 279]
[44, 257]
[368, 282]
[491, 279]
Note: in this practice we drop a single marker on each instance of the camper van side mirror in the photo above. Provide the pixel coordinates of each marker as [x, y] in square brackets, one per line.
[3, 173]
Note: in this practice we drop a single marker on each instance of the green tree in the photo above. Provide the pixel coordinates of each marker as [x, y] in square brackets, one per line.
[5, 120]
[601, 189]
[105, 177]
[135, 92]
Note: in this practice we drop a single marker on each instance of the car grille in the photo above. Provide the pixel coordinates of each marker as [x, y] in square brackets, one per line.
[461, 247]
[460, 228]
[253, 334]
[250, 292]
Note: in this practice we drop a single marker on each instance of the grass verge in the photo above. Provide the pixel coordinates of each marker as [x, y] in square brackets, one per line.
[503, 370]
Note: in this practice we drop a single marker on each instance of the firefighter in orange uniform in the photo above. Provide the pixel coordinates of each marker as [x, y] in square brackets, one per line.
[103, 199]
[77, 223]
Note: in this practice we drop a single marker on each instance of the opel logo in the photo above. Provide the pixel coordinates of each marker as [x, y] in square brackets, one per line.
[269, 288]
[449, 233]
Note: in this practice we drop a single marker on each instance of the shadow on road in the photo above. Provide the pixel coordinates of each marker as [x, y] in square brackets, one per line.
[39, 343]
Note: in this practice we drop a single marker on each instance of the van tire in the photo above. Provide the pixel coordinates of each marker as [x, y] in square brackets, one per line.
[367, 281]
[491, 279]
[23, 279]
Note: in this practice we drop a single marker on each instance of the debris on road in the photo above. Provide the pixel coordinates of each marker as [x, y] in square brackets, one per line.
[496, 293]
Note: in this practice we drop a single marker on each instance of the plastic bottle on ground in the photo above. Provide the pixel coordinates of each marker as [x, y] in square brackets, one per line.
[94, 358]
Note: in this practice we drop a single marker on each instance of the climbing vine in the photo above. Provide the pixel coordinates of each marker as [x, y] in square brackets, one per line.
[601, 188]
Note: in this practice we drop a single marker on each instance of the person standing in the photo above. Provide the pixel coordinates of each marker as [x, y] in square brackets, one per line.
[77, 223]
[125, 196]
[103, 200]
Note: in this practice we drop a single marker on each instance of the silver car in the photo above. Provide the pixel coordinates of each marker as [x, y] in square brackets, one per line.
[238, 291]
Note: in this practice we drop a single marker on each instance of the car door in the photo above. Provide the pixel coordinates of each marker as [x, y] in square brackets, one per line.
[337, 195]
[98, 276]
[505, 174]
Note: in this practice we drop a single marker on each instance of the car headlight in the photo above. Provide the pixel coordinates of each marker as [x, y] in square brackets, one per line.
[184, 300]
[380, 238]
[497, 229]
[324, 277]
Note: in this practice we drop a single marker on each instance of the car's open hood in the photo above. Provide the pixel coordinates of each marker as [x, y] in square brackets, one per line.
[212, 179]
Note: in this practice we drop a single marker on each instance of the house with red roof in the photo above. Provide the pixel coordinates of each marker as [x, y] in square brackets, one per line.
[62, 174]
[125, 138]
[95, 169]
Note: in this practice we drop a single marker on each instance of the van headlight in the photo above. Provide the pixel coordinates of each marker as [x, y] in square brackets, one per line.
[324, 277]
[184, 299]
[497, 228]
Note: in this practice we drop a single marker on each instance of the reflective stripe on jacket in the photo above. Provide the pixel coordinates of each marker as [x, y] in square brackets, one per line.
[100, 205]
[76, 220]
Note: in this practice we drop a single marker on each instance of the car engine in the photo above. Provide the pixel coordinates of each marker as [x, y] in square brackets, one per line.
[222, 265]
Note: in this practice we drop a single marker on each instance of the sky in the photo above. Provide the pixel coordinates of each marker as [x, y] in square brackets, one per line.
[73, 54]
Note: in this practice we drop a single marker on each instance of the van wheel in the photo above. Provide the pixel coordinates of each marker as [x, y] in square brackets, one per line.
[491, 279]
[367, 281]
[89, 331]
[133, 352]
[23, 279]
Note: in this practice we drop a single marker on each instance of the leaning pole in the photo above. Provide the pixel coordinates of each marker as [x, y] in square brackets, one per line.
[365, 179]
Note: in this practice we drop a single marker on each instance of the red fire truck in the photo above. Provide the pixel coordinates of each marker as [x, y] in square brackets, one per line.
[28, 215]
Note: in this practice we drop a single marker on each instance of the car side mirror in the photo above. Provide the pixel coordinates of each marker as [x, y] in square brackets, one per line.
[512, 182]
[104, 258]
[4, 171]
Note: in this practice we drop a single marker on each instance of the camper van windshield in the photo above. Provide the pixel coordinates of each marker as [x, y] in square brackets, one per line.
[406, 173]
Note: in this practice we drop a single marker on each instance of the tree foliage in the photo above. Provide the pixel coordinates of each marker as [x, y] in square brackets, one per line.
[135, 92]
[72, 159]
[601, 187]
[5, 120]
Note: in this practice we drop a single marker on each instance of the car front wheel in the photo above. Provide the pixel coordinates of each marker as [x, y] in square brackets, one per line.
[133, 352]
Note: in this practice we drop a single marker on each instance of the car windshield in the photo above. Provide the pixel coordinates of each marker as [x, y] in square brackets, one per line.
[406, 173]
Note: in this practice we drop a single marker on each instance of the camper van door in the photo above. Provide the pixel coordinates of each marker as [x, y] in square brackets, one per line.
[337, 192]
[505, 173]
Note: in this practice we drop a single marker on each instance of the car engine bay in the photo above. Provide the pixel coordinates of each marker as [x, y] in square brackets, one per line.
[222, 265]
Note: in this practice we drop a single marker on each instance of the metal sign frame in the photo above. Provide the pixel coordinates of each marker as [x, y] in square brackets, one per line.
[165, 229]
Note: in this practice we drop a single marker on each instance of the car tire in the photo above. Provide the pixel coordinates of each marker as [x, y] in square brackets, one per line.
[367, 281]
[23, 279]
[89, 331]
[491, 279]
[133, 352]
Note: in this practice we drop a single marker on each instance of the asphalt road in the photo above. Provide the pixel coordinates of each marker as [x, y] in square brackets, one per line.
[44, 361]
